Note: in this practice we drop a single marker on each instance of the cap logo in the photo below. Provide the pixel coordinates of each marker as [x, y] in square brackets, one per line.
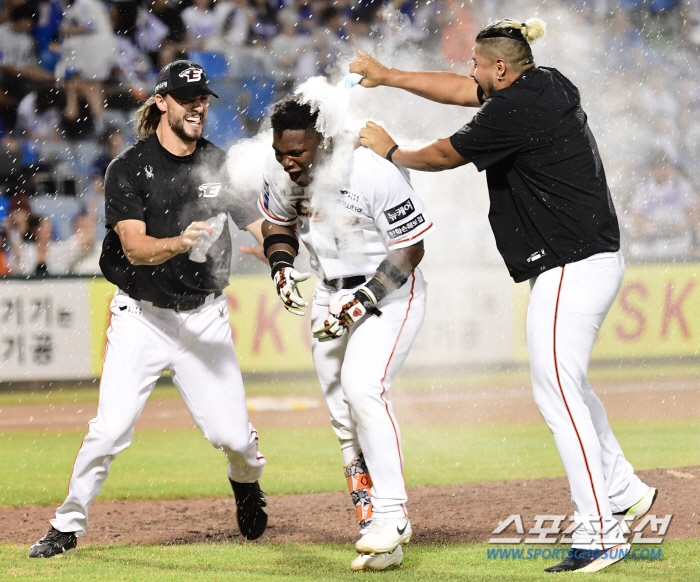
[193, 74]
[160, 86]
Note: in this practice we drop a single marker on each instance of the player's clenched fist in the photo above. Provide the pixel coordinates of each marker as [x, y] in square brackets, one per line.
[376, 138]
[286, 280]
[372, 71]
[344, 311]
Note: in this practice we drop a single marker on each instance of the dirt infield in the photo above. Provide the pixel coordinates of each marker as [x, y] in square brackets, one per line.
[512, 403]
[445, 513]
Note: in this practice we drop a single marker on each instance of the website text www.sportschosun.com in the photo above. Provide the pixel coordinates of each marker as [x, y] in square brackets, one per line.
[563, 553]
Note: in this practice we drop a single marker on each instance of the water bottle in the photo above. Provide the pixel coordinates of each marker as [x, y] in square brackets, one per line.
[198, 253]
[350, 80]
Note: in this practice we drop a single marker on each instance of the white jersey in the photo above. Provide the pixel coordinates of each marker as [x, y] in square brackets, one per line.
[377, 211]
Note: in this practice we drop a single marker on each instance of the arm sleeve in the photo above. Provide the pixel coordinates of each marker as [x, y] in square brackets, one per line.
[399, 214]
[491, 135]
[271, 203]
[123, 199]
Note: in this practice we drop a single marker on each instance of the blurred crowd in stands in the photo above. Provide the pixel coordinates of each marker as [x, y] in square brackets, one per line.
[73, 71]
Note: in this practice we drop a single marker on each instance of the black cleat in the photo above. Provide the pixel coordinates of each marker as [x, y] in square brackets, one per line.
[251, 509]
[570, 564]
[53, 543]
[590, 560]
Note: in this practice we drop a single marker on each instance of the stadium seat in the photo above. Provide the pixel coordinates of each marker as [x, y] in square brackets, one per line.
[213, 63]
[262, 95]
[223, 127]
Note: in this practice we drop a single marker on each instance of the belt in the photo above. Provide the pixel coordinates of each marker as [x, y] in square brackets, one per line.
[346, 282]
[182, 304]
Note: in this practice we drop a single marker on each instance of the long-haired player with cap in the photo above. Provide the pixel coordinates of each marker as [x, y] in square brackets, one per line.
[168, 251]
[555, 226]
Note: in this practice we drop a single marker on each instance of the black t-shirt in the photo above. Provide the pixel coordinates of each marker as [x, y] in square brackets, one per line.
[550, 202]
[168, 193]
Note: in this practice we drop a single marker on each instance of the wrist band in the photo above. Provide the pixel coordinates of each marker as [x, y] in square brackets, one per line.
[279, 260]
[390, 153]
[395, 275]
[377, 288]
[275, 239]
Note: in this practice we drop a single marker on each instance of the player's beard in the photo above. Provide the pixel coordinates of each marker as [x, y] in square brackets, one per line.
[179, 129]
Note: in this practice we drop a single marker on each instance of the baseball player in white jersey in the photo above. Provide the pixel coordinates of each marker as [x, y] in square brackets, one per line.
[169, 312]
[365, 236]
[555, 225]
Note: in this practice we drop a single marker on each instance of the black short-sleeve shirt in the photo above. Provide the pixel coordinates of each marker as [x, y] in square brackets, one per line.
[168, 192]
[550, 202]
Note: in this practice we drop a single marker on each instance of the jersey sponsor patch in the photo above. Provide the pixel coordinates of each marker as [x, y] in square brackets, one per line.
[400, 212]
[405, 228]
[209, 190]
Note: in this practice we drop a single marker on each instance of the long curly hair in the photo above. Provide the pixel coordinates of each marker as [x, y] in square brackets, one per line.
[147, 118]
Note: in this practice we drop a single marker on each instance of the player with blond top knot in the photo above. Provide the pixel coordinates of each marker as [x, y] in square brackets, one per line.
[555, 225]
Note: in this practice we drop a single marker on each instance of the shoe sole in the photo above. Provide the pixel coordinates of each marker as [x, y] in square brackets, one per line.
[364, 566]
[368, 569]
[59, 555]
[640, 509]
[404, 539]
[603, 562]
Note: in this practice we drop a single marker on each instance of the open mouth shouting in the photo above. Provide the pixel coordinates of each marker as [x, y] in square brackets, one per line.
[194, 121]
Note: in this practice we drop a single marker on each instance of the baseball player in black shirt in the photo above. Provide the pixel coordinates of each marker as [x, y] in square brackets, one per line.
[167, 199]
[555, 225]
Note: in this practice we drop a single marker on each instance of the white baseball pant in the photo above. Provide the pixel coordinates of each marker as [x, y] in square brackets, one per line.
[567, 307]
[142, 341]
[356, 372]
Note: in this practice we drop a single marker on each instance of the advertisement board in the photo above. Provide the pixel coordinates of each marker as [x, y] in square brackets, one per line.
[42, 329]
[656, 315]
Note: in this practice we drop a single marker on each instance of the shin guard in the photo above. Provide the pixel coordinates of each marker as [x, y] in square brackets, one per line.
[359, 484]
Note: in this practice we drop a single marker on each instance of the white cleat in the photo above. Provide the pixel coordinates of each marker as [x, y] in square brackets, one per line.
[383, 535]
[609, 557]
[639, 509]
[378, 561]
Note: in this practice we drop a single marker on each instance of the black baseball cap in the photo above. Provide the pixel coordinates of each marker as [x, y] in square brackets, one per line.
[183, 80]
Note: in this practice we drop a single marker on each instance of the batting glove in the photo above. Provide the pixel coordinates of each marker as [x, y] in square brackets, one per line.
[344, 311]
[286, 280]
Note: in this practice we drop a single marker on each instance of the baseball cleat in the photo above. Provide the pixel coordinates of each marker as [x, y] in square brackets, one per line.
[639, 509]
[580, 560]
[251, 509]
[53, 543]
[383, 535]
[378, 561]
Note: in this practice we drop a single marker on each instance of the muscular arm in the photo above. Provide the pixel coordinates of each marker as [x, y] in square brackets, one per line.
[268, 229]
[434, 157]
[141, 249]
[255, 228]
[405, 260]
[447, 88]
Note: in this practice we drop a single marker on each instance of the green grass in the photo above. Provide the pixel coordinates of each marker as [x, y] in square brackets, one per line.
[35, 466]
[306, 383]
[680, 561]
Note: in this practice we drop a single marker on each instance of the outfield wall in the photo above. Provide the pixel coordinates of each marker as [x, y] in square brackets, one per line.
[54, 329]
